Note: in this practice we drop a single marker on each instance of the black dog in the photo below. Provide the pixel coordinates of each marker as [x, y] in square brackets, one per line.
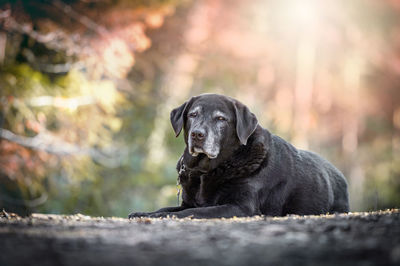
[232, 166]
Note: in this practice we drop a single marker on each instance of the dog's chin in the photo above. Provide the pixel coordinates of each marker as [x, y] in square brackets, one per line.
[195, 151]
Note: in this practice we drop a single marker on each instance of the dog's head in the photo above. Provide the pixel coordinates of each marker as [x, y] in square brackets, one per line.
[214, 125]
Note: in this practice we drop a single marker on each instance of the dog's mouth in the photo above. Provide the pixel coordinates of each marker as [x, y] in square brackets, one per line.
[194, 151]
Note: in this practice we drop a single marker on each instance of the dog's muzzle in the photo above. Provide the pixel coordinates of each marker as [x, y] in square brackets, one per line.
[201, 142]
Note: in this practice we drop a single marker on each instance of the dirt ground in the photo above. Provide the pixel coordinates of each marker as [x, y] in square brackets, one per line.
[353, 239]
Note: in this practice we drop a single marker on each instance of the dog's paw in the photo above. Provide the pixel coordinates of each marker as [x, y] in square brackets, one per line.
[163, 215]
[159, 215]
[152, 215]
[138, 215]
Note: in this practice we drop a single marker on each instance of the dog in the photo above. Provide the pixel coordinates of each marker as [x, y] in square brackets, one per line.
[231, 166]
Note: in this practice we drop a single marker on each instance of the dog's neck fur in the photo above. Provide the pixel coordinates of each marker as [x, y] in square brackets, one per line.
[245, 162]
[250, 157]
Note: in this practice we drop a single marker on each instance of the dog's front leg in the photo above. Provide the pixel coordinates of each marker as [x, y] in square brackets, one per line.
[162, 210]
[220, 211]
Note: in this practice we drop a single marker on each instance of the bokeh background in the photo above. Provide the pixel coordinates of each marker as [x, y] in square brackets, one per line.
[86, 88]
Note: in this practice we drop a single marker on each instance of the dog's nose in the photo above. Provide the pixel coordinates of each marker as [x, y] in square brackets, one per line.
[198, 135]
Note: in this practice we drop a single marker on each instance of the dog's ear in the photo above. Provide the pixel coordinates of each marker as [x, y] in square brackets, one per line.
[177, 116]
[246, 122]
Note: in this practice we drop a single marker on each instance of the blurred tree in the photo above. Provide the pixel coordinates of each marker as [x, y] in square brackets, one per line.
[66, 109]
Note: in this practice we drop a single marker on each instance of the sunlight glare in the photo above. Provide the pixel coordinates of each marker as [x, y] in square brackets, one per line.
[303, 12]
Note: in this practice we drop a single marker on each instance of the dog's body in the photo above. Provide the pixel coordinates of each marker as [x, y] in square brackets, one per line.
[233, 167]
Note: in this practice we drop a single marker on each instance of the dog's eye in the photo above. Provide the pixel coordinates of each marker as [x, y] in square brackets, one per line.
[194, 114]
[221, 118]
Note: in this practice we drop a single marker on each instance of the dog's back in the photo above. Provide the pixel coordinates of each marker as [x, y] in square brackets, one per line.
[312, 184]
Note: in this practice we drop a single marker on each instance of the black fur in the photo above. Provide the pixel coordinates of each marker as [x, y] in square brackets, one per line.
[255, 172]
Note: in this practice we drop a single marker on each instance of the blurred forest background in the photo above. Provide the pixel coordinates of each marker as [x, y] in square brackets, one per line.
[86, 87]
